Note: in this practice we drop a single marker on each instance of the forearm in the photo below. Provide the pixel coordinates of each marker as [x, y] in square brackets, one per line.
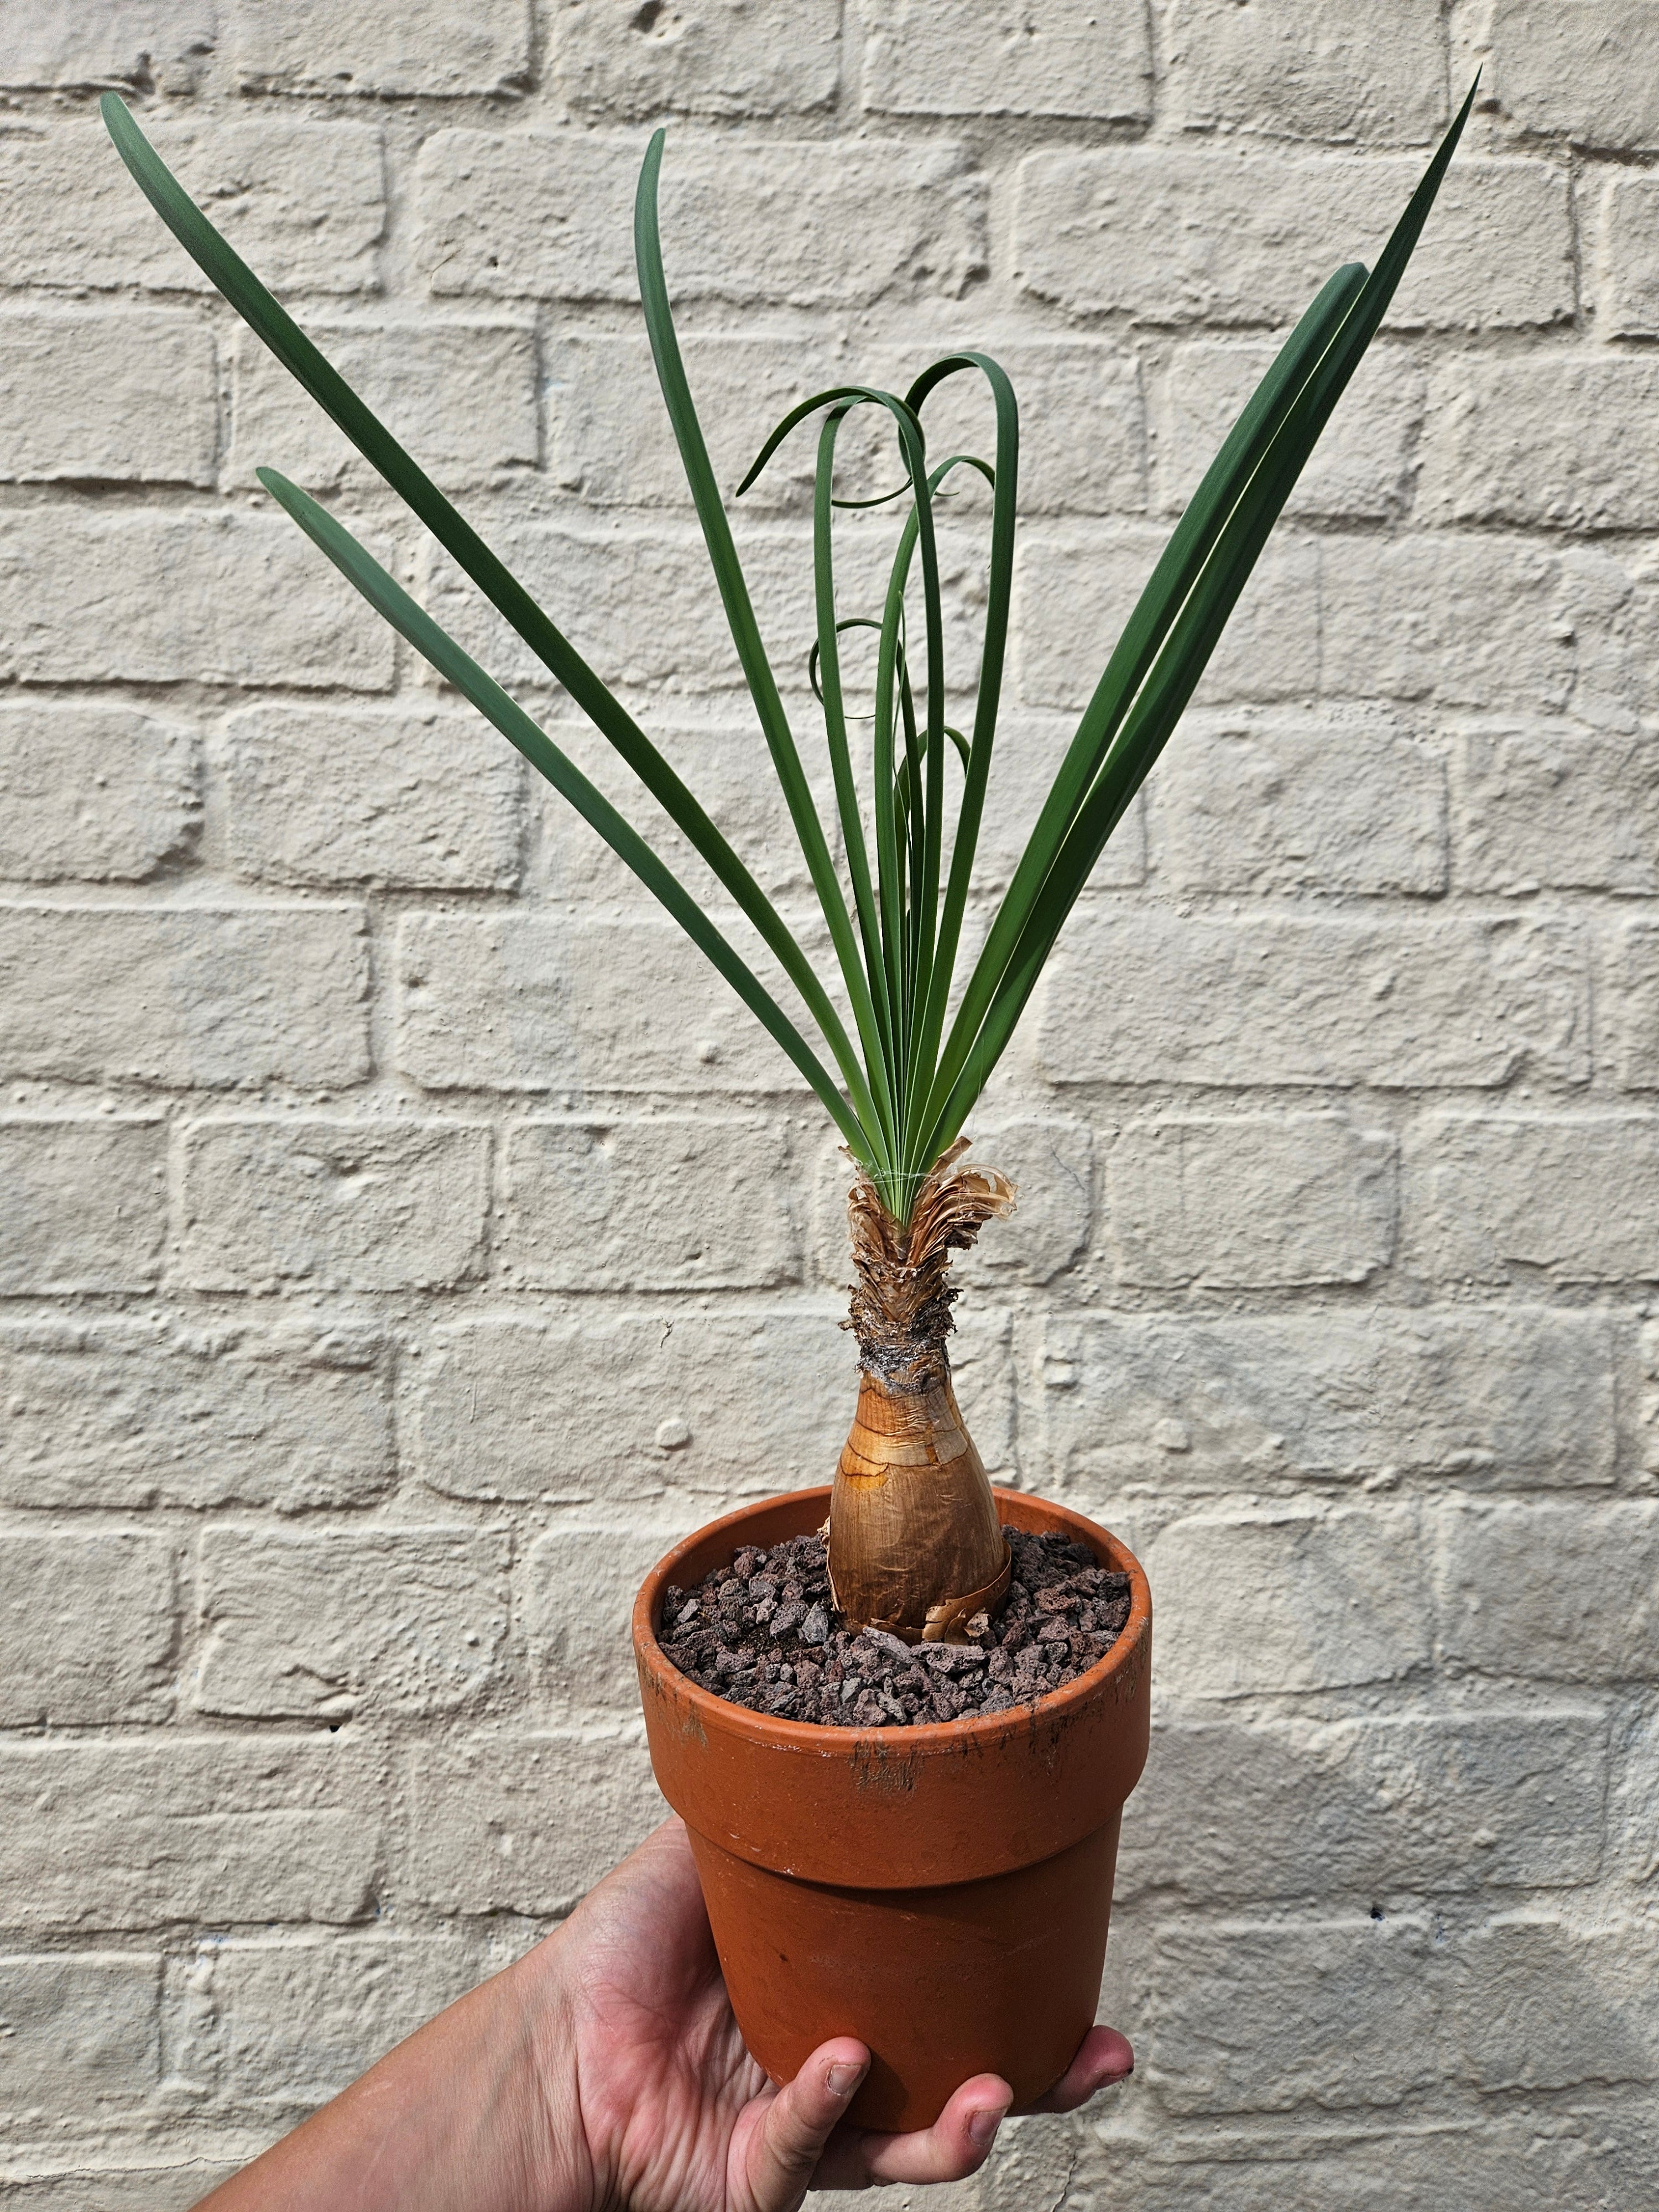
[476, 2112]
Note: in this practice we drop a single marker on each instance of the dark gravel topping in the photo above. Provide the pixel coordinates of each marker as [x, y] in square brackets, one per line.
[762, 1633]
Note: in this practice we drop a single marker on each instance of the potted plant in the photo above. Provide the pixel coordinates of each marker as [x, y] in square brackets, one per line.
[901, 1742]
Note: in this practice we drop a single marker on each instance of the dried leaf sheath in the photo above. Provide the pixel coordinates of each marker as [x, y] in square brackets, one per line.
[915, 1547]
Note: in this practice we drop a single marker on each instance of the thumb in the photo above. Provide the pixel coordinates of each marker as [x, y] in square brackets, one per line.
[785, 2148]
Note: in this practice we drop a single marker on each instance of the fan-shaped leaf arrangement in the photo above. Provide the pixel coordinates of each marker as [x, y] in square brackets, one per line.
[911, 1543]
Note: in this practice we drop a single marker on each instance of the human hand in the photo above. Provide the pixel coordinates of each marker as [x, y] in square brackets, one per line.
[679, 2116]
[604, 2072]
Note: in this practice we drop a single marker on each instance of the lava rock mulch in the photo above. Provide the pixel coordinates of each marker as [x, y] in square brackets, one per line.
[762, 1633]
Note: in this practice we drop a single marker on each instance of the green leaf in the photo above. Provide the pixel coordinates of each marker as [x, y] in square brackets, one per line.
[388, 599]
[835, 722]
[908, 1086]
[745, 630]
[231, 275]
[1142, 719]
[1005, 489]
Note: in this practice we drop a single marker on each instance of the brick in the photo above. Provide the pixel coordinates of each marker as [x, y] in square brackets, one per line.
[183, 996]
[1177, 235]
[1636, 1789]
[142, 1831]
[1402, 1005]
[1051, 1161]
[1584, 68]
[594, 579]
[1338, 801]
[356, 1205]
[1610, 617]
[1029, 2166]
[1082, 452]
[1549, 2005]
[118, 399]
[813, 224]
[1598, 2160]
[1559, 444]
[1249, 2019]
[1627, 293]
[1632, 1023]
[1553, 805]
[1083, 445]
[407, 797]
[1338, 71]
[461, 397]
[282, 2024]
[1470, 622]
[98, 793]
[159, 43]
[1361, 469]
[1082, 57]
[1029, 748]
[304, 207]
[86, 1204]
[1261, 1200]
[352, 46]
[739, 793]
[1075, 594]
[1285, 1600]
[85, 1629]
[127, 1414]
[523, 1822]
[83, 2033]
[751, 1402]
[1369, 1811]
[1083, 420]
[1516, 1584]
[1502, 1395]
[724, 1403]
[538, 1003]
[390, 1621]
[126, 2180]
[1534, 1200]
[575, 1600]
[161, 599]
[710, 57]
[608, 435]
[586, 1206]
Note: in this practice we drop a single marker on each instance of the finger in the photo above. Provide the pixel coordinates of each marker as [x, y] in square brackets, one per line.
[958, 2144]
[1104, 2057]
[782, 2152]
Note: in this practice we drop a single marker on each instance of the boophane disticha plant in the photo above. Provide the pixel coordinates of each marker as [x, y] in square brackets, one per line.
[916, 1548]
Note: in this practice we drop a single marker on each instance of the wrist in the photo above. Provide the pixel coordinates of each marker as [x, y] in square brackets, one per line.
[540, 2027]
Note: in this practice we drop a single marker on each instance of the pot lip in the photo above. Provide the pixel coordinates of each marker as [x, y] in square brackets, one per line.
[979, 1730]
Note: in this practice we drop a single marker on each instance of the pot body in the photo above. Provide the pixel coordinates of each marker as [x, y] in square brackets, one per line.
[941, 1892]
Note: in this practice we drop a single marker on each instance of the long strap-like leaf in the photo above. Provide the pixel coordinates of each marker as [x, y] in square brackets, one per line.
[834, 725]
[745, 630]
[388, 599]
[901, 932]
[1005, 481]
[1147, 721]
[1166, 591]
[230, 273]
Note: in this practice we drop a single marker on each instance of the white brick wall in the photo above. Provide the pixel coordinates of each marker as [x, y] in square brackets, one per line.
[403, 1235]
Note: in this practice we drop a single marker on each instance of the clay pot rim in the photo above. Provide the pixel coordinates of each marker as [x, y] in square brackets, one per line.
[977, 1728]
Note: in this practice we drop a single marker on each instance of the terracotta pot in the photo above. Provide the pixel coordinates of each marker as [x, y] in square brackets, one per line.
[941, 1892]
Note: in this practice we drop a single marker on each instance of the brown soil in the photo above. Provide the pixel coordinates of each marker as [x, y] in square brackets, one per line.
[762, 1633]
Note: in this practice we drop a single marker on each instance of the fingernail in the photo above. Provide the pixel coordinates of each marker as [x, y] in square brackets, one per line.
[982, 2126]
[844, 2079]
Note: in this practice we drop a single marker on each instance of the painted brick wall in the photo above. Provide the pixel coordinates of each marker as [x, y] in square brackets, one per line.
[402, 1237]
